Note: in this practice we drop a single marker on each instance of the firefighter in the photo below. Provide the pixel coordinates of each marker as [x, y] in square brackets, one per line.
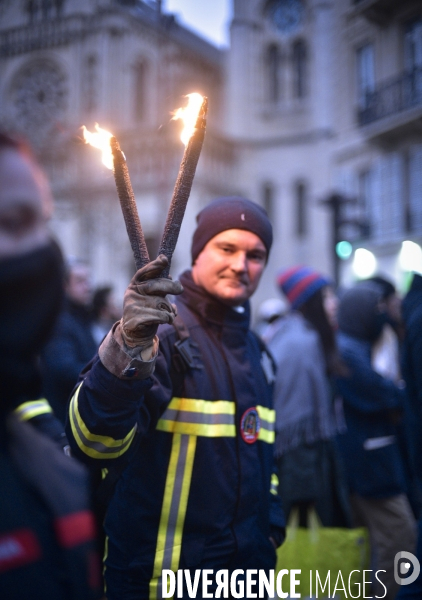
[187, 413]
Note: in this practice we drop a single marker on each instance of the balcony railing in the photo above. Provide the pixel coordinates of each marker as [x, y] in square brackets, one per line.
[394, 97]
[46, 34]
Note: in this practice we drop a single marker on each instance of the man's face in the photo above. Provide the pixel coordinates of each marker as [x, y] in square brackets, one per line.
[78, 286]
[25, 204]
[230, 266]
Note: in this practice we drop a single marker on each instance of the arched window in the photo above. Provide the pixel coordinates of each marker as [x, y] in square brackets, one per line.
[301, 210]
[273, 73]
[299, 63]
[140, 90]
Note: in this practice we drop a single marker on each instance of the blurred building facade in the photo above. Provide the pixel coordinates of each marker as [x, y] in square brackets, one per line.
[378, 160]
[127, 66]
[312, 97]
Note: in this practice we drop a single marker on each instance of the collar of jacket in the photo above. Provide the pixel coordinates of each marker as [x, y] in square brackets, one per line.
[209, 308]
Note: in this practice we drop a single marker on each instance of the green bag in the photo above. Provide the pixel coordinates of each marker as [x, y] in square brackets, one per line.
[322, 553]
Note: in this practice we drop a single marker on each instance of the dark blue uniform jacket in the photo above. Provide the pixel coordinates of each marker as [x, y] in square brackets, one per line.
[369, 447]
[201, 473]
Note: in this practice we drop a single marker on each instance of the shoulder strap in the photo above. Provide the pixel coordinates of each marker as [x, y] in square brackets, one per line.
[185, 349]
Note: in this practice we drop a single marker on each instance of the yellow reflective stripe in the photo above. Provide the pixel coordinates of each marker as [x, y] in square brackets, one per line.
[266, 414]
[206, 418]
[267, 424]
[173, 512]
[93, 445]
[33, 408]
[197, 429]
[266, 436]
[221, 407]
[274, 484]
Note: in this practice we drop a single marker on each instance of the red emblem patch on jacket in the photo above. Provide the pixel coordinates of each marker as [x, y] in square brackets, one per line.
[18, 548]
[250, 425]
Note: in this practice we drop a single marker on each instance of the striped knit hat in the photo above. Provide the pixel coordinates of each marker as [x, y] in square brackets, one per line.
[298, 284]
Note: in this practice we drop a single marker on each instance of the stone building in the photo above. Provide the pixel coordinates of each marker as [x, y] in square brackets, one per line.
[279, 112]
[127, 66]
[325, 97]
[312, 97]
[378, 157]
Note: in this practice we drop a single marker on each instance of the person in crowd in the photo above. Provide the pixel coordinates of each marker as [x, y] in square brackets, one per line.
[372, 407]
[191, 409]
[71, 345]
[105, 313]
[412, 367]
[386, 360]
[269, 312]
[46, 528]
[412, 374]
[304, 349]
[386, 351]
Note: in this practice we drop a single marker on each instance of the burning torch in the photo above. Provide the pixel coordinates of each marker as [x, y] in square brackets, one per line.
[194, 116]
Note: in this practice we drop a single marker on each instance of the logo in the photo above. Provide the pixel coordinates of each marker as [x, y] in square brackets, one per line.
[250, 425]
[406, 568]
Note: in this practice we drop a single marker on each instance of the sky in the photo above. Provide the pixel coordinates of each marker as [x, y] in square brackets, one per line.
[209, 18]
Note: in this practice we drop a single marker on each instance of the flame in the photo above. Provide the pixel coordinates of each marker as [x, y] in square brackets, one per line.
[100, 140]
[189, 115]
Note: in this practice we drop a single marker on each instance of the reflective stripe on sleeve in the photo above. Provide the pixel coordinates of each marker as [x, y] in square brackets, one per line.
[33, 408]
[173, 512]
[91, 444]
[274, 484]
[267, 424]
[199, 417]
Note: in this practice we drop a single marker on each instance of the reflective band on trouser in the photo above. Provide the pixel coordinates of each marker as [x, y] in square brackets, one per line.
[179, 475]
[206, 418]
[96, 446]
[33, 408]
[274, 484]
[267, 424]
[104, 562]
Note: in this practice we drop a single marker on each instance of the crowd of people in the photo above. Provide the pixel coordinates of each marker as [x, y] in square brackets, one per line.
[170, 434]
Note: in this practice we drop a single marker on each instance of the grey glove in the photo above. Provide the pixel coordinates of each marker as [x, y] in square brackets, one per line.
[145, 305]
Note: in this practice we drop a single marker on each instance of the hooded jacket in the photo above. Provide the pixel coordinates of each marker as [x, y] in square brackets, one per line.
[371, 402]
[201, 468]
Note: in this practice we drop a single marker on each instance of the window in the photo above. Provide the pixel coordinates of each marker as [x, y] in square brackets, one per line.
[388, 197]
[299, 62]
[415, 188]
[268, 199]
[140, 90]
[273, 62]
[365, 74]
[413, 45]
[364, 202]
[89, 84]
[301, 210]
[44, 9]
[413, 59]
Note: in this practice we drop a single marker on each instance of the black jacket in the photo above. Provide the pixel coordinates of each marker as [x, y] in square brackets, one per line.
[47, 545]
[412, 369]
[203, 463]
[68, 350]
